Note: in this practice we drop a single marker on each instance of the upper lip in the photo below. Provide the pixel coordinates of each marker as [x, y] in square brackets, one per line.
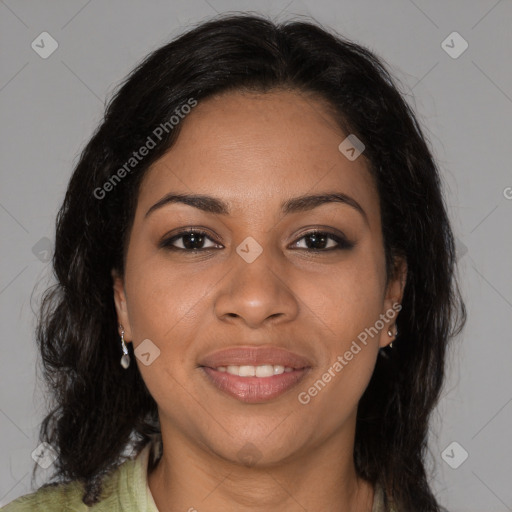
[254, 356]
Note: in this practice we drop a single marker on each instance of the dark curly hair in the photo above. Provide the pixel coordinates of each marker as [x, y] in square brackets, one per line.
[100, 410]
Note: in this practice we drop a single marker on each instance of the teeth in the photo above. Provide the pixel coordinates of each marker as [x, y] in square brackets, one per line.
[266, 370]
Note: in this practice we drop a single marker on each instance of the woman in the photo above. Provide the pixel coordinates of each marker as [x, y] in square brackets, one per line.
[256, 285]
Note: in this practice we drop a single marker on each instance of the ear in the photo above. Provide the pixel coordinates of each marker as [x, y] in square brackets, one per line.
[393, 300]
[121, 307]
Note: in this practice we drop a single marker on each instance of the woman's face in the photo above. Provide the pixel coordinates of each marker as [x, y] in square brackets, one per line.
[254, 280]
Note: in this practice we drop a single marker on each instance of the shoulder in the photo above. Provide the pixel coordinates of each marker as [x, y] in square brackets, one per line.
[67, 497]
[62, 497]
[125, 488]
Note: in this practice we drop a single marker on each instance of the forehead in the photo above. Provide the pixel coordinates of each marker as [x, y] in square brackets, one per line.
[252, 149]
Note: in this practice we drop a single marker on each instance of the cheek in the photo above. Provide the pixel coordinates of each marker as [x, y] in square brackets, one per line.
[333, 395]
[164, 307]
[347, 304]
[164, 297]
[348, 308]
[347, 298]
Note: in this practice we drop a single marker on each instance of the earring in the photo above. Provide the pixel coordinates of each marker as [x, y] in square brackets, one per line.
[125, 359]
[390, 334]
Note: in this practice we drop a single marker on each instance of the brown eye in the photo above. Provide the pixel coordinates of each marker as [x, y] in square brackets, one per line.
[194, 240]
[190, 241]
[318, 241]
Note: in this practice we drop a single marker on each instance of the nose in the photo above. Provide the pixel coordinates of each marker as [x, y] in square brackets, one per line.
[257, 293]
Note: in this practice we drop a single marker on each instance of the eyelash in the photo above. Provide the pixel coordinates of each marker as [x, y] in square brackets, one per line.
[343, 244]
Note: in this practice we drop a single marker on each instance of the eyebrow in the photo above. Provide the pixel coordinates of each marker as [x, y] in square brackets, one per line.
[217, 206]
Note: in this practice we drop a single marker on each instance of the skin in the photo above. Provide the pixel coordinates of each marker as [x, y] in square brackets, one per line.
[255, 151]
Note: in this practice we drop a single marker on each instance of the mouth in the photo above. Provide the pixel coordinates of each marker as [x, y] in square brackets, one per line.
[263, 371]
[254, 374]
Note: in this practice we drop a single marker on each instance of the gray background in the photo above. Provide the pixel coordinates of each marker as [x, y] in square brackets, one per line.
[50, 107]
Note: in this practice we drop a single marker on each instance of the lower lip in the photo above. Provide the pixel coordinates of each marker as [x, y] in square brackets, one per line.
[254, 389]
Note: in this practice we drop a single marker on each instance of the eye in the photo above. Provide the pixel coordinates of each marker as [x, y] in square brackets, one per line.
[192, 240]
[318, 241]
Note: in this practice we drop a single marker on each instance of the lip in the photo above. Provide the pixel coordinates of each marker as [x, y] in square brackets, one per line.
[255, 356]
[254, 389]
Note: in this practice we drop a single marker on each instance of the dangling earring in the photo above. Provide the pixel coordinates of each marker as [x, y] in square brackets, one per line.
[390, 334]
[125, 359]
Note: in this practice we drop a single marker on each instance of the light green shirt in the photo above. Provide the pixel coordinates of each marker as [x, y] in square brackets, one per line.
[126, 490]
